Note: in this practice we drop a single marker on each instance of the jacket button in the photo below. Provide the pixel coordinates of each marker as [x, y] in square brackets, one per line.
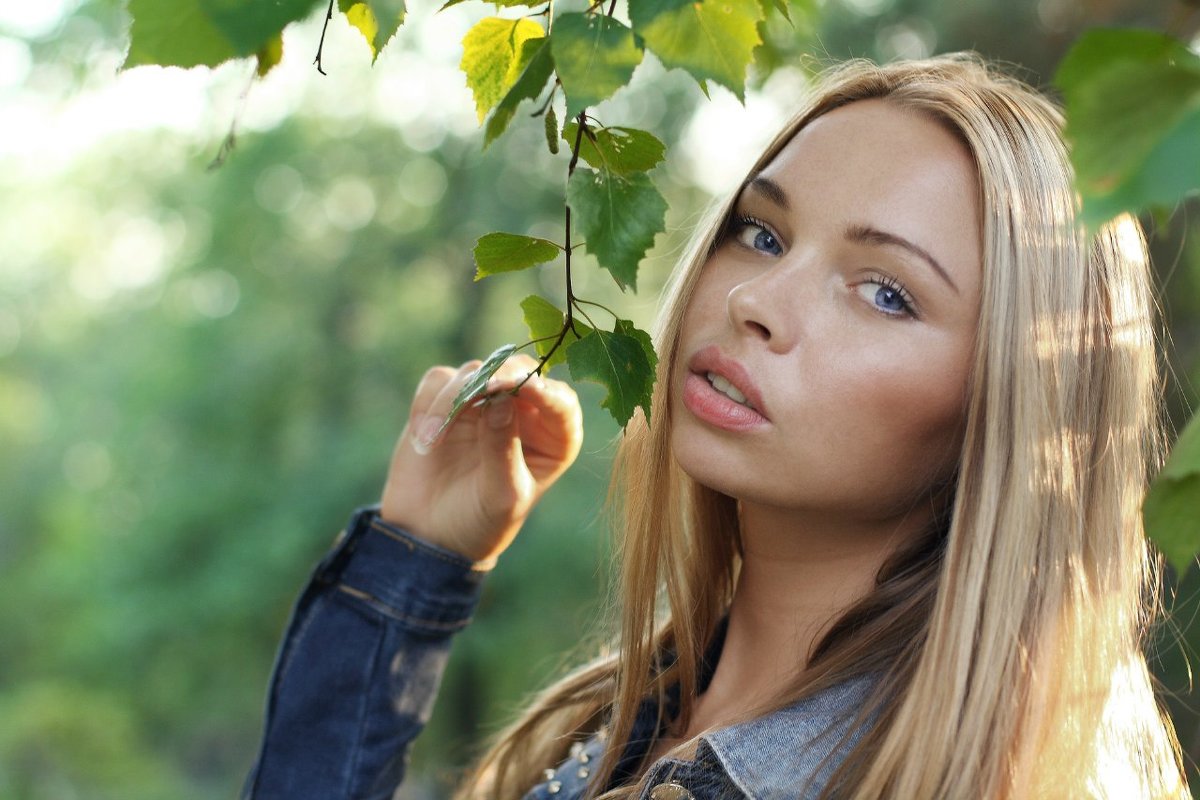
[554, 787]
[670, 791]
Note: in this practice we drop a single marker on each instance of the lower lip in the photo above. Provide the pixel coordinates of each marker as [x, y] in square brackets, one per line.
[717, 409]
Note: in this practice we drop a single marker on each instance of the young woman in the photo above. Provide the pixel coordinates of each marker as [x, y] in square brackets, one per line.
[882, 539]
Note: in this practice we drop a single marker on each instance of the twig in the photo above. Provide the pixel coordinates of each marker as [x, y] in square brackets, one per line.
[321, 44]
[230, 141]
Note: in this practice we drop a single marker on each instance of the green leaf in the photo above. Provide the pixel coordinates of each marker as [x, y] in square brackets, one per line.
[551, 128]
[496, 3]
[376, 20]
[595, 56]
[1172, 509]
[627, 328]
[476, 384]
[189, 33]
[179, 33]
[508, 252]
[617, 361]
[779, 5]
[617, 150]
[269, 56]
[619, 216]
[712, 40]
[494, 58]
[1133, 120]
[544, 320]
[539, 66]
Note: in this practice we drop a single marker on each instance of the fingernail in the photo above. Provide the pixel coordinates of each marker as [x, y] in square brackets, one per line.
[426, 429]
[500, 411]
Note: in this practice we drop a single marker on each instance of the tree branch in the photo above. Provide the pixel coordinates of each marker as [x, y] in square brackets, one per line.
[321, 44]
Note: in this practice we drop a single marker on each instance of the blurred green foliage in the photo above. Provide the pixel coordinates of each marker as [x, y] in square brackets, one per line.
[202, 374]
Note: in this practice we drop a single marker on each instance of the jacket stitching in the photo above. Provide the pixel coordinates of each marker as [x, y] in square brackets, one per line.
[383, 608]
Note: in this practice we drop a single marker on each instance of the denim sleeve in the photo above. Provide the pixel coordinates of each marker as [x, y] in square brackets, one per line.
[360, 664]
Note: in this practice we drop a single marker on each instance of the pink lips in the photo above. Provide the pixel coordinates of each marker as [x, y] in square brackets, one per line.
[712, 406]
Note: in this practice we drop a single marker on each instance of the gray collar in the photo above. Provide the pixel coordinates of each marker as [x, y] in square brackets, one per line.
[791, 753]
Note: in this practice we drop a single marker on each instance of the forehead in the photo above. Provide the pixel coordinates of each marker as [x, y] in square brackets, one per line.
[893, 168]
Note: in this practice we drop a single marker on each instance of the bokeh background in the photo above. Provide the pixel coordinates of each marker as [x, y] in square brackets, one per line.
[202, 372]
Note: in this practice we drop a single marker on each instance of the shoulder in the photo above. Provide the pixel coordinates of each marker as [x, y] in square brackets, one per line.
[792, 752]
[788, 754]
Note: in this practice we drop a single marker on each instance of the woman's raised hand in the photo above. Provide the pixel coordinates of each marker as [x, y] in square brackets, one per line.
[471, 489]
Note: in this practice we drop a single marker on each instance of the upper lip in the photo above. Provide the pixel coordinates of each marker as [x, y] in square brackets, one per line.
[711, 359]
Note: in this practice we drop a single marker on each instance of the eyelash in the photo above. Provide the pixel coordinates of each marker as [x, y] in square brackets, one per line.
[740, 222]
[746, 221]
[890, 283]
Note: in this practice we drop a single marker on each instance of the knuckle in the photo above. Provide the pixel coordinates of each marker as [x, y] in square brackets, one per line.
[524, 361]
[433, 379]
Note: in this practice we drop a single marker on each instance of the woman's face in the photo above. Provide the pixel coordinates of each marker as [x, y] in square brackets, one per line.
[823, 357]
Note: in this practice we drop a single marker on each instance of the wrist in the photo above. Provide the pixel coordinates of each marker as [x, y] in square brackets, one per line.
[447, 545]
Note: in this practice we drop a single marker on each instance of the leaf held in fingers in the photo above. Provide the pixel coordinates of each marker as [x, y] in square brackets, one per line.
[509, 252]
[539, 66]
[712, 39]
[545, 323]
[617, 150]
[1170, 511]
[476, 384]
[495, 57]
[617, 361]
[619, 216]
[595, 56]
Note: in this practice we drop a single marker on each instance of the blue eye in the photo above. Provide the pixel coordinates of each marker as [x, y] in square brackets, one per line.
[889, 300]
[887, 296]
[754, 234]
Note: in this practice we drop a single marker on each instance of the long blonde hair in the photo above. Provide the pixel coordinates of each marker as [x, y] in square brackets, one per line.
[1009, 637]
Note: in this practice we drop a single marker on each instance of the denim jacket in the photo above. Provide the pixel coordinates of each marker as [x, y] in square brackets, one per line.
[363, 655]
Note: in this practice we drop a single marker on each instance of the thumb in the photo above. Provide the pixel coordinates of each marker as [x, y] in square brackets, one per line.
[506, 478]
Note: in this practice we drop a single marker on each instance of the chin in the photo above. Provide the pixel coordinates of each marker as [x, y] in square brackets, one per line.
[705, 465]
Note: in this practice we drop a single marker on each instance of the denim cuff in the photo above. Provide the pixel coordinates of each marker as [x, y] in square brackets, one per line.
[424, 587]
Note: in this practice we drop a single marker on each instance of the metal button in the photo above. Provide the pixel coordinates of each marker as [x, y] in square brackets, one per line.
[576, 749]
[547, 774]
[554, 787]
[670, 791]
[583, 772]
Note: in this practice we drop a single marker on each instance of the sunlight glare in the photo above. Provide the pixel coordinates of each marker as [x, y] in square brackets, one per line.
[723, 137]
[34, 20]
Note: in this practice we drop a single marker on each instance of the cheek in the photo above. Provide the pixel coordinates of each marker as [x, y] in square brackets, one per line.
[900, 419]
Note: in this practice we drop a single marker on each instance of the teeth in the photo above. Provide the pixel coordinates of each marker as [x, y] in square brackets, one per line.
[726, 388]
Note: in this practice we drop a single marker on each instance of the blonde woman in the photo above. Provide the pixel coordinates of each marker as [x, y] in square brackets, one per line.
[882, 539]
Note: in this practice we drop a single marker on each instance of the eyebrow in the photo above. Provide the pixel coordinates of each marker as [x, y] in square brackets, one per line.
[770, 190]
[865, 234]
[859, 233]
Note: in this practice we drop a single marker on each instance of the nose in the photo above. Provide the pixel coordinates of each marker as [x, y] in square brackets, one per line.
[764, 306]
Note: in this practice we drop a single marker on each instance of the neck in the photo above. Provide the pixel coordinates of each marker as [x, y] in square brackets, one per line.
[798, 576]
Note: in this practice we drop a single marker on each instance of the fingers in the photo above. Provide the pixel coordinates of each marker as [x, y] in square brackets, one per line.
[505, 478]
[512, 373]
[549, 413]
[432, 403]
